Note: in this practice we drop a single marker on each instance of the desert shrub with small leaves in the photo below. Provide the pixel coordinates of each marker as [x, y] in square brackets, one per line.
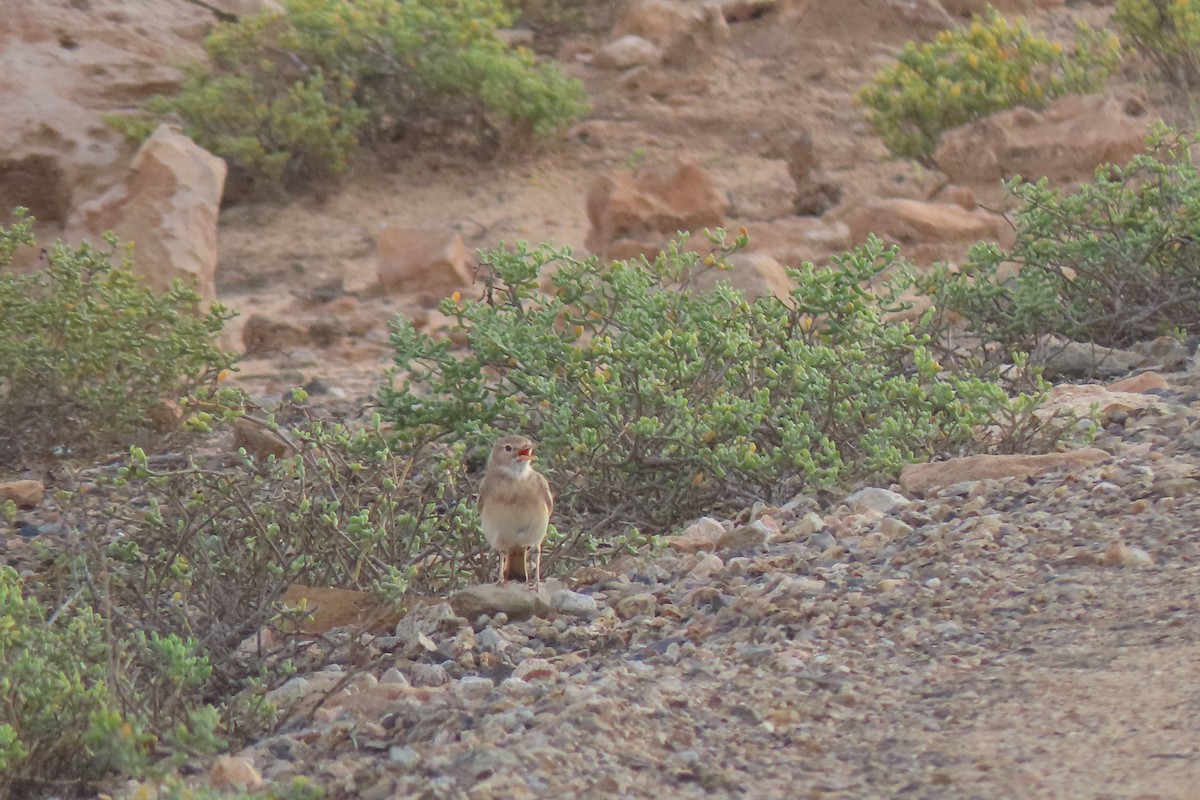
[290, 96]
[989, 65]
[75, 706]
[206, 546]
[86, 350]
[1165, 31]
[653, 402]
[1114, 262]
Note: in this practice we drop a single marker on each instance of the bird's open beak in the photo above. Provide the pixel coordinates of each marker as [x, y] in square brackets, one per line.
[525, 454]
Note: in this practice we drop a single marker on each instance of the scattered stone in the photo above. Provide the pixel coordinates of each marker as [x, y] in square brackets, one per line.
[875, 499]
[266, 336]
[681, 32]
[233, 772]
[920, 479]
[642, 604]
[261, 440]
[403, 756]
[700, 535]
[745, 537]
[422, 674]
[423, 621]
[393, 677]
[1119, 554]
[573, 604]
[535, 669]
[1147, 381]
[25, 493]
[626, 52]
[516, 602]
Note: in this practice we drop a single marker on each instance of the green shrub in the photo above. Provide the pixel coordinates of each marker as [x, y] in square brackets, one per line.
[964, 74]
[78, 704]
[653, 402]
[1167, 32]
[209, 545]
[291, 96]
[86, 350]
[1113, 262]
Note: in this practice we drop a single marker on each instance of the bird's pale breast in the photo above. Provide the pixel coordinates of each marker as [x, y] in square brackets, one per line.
[515, 518]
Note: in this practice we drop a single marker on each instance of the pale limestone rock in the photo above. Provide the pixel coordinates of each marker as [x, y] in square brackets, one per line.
[427, 263]
[167, 207]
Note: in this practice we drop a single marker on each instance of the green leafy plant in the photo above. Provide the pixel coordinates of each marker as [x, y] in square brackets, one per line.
[1112, 263]
[1167, 32]
[653, 401]
[86, 350]
[78, 704]
[989, 65]
[291, 96]
[209, 546]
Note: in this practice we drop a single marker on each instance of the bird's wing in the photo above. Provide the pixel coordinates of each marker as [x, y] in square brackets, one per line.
[483, 490]
[547, 497]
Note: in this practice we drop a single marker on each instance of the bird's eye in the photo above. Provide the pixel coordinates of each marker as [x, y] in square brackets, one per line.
[508, 448]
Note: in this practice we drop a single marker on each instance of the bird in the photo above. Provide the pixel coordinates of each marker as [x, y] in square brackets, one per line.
[515, 504]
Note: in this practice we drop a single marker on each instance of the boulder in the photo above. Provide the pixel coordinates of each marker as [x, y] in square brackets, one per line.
[681, 31]
[920, 479]
[63, 66]
[167, 207]
[627, 52]
[1064, 142]
[755, 274]
[426, 263]
[634, 214]
[905, 221]
[516, 602]
[25, 493]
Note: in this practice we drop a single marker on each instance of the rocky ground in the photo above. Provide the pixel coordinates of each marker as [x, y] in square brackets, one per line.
[1015, 635]
[993, 635]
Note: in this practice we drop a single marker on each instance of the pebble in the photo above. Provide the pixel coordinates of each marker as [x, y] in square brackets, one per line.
[575, 604]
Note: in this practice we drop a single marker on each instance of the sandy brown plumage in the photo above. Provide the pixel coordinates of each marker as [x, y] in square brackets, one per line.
[515, 505]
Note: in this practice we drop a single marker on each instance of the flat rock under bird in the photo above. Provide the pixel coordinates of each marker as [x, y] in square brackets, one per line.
[515, 504]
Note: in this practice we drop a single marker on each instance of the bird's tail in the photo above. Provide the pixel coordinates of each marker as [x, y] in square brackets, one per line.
[518, 566]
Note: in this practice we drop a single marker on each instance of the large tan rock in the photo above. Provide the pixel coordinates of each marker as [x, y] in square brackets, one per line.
[754, 274]
[426, 264]
[1064, 142]
[904, 221]
[63, 66]
[920, 479]
[683, 32]
[633, 214]
[167, 207]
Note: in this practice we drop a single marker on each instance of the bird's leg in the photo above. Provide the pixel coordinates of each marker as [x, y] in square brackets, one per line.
[503, 567]
[525, 560]
[537, 567]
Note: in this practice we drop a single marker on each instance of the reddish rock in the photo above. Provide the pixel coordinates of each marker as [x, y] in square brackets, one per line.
[920, 479]
[682, 32]
[233, 772]
[426, 263]
[755, 274]
[627, 52]
[330, 608]
[1145, 382]
[915, 222]
[167, 207]
[633, 214]
[267, 336]
[1064, 142]
[26, 493]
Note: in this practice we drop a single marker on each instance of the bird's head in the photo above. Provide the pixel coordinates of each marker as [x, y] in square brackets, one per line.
[512, 454]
